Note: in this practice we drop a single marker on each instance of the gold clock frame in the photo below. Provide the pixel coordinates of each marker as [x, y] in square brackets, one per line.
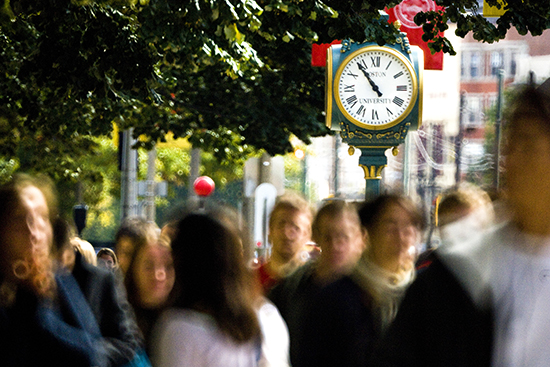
[333, 91]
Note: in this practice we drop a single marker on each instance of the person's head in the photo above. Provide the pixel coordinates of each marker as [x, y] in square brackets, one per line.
[107, 259]
[527, 160]
[84, 248]
[212, 276]
[27, 206]
[289, 226]
[63, 235]
[338, 232]
[462, 201]
[133, 232]
[168, 230]
[394, 225]
[150, 275]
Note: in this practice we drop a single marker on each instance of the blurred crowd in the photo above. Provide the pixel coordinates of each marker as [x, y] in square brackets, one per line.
[345, 284]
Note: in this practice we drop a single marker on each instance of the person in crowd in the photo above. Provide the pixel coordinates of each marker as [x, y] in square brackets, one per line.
[395, 226]
[148, 281]
[133, 232]
[460, 211]
[107, 299]
[329, 325]
[44, 318]
[85, 248]
[461, 201]
[289, 234]
[168, 230]
[484, 301]
[106, 258]
[217, 317]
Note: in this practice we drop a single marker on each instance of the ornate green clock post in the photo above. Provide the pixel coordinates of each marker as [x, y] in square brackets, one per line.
[374, 97]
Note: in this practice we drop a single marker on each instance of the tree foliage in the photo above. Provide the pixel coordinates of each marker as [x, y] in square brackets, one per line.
[526, 16]
[232, 76]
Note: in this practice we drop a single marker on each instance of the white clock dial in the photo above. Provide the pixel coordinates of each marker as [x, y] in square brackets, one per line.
[376, 87]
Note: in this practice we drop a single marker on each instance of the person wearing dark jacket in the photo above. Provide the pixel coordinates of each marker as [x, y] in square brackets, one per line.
[484, 300]
[438, 324]
[45, 319]
[337, 310]
[121, 338]
[328, 322]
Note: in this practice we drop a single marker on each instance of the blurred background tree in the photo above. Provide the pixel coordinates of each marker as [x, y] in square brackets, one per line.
[233, 77]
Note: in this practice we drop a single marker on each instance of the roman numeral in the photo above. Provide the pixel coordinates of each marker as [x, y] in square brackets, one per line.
[349, 88]
[374, 115]
[398, 75]
[362, 64]
[398, 101]
[352, 100]
[401, 88]
[361, 109]
[375, 61]
[388, 66]
[352, 74]
[389, 111]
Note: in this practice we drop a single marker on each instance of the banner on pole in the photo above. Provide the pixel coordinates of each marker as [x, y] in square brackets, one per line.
[405, 13]
[319, 53]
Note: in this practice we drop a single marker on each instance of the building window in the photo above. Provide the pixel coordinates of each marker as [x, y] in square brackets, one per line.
[463, 65]
[513, 65]
[473, 117]
[497, 62]
[475, 63]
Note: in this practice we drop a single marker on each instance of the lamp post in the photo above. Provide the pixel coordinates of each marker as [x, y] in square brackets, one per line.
[498, 121]
[459, 137]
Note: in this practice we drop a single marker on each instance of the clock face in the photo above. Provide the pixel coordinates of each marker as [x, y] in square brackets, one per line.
[375, 87]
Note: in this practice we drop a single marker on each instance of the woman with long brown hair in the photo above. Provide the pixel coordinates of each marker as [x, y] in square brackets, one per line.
[44, 318]
[214, 318]
[148, 282]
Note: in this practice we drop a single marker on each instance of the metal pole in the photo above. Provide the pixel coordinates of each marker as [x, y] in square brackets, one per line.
[406, 164]
[129, 190]
[336, 167]
[458, 142]
[150, 191]
[373, 161]
[372, 189]
[194, 173]
[496, 181]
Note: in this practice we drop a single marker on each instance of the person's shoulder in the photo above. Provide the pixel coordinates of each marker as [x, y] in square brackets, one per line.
[299, 277]
[472, 263]
[186, 317]
[425, 259]
[344, 292]
[343, 284]
[295, 284]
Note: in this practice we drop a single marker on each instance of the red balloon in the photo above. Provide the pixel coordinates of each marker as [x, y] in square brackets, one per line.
[204, 186]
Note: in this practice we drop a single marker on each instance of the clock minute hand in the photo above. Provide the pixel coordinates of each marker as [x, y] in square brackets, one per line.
[371, 82]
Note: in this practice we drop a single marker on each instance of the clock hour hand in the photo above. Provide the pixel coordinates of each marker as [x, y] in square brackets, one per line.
[371, 82]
